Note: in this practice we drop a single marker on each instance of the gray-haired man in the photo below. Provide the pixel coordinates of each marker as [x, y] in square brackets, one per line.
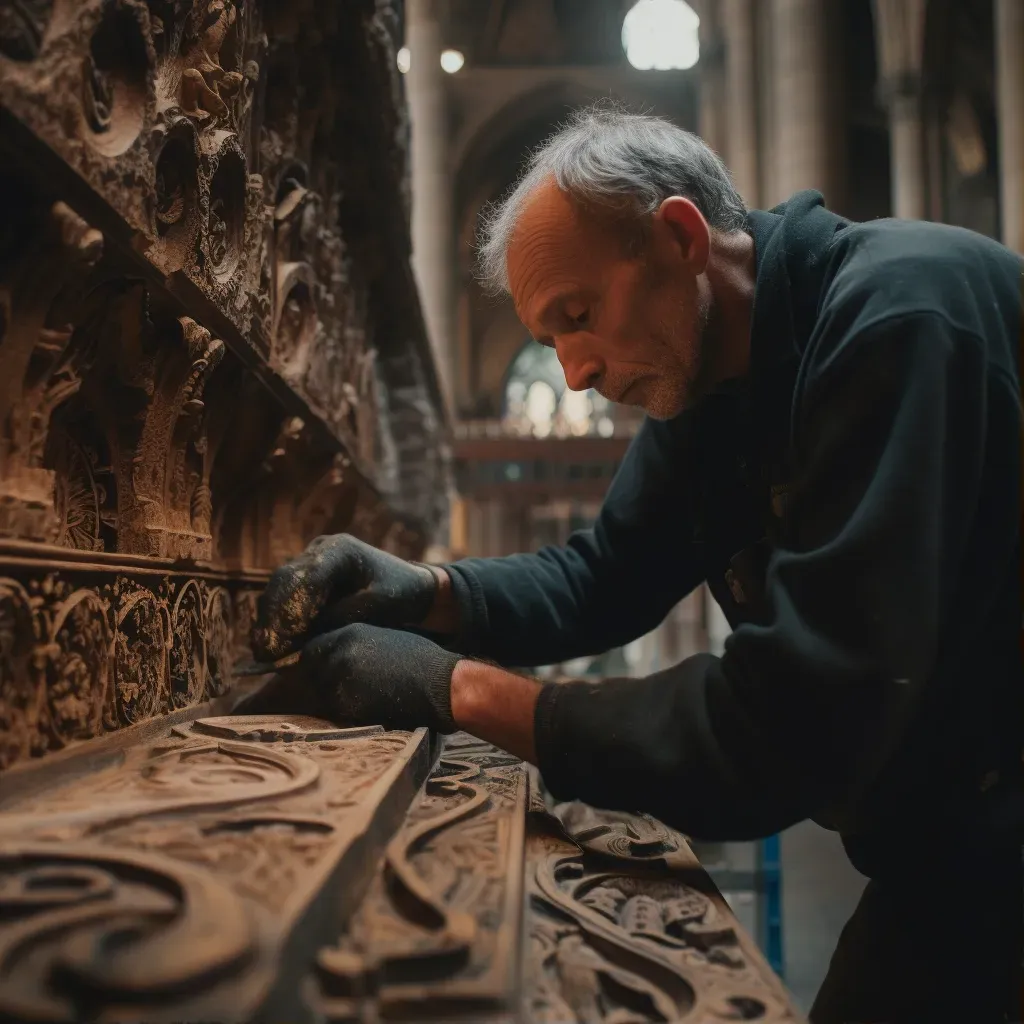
[833, 443]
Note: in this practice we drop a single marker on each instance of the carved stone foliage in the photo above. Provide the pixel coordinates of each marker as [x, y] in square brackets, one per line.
[619, 922]
[215, 142]
[295, 492]
[623, 925]
[80, 658]
[81, 75]
[317, 326]
[215, 135]
[169, 887]
[119, 432]
[104, 441]
[120, 89]
[39, 371]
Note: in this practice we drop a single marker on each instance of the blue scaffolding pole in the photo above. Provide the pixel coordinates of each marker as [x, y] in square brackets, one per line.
[769, 904]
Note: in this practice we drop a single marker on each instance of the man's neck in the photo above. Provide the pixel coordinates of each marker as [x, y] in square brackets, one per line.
[732, 276]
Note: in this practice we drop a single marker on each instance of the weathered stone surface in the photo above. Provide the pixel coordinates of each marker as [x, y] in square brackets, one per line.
[624, 925]
[438, 934]
[492, 904]
[191, 318]
[220, 860]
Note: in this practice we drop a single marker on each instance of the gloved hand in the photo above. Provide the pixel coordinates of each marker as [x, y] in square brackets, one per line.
[365, 675]
[335, 581]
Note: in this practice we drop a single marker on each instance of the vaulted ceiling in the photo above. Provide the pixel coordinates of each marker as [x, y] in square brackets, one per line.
[531, 32]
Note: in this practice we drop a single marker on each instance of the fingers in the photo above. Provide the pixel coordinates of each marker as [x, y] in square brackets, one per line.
[373, 604]
[299, 591]
[339, 666]
[343, 650]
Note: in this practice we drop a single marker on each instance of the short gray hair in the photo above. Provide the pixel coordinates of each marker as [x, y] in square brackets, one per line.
[608, 156]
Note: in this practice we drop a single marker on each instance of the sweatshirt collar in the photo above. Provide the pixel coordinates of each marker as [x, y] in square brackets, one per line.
[791, 245]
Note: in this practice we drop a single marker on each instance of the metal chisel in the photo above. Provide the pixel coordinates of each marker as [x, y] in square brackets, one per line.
[265, 668]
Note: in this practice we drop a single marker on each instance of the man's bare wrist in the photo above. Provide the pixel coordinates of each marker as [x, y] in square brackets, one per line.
[443, 616]
[496, 706]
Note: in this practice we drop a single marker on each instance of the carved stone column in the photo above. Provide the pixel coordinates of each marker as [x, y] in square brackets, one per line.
[741, 97]
[432, 254]
[1010, 99]
[809, 137]
[899, 34]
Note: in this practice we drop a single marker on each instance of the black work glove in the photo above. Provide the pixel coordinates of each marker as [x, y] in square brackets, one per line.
[335, 581]
[365, 675]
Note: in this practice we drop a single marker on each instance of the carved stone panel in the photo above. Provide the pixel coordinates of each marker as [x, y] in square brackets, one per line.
[38, 372]
[437, 937]
[623, 925]
[264, 868]
[89, 651]
[174, 174]
[617, 921]
[191, 881]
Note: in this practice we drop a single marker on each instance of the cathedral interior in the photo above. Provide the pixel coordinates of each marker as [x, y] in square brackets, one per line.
[238, 310]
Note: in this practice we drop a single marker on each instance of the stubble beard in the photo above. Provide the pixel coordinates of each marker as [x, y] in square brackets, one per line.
[683, 388]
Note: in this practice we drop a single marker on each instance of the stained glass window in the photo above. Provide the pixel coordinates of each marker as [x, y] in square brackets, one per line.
[538, 402]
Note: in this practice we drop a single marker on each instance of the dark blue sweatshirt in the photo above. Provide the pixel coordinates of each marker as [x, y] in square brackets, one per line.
[854, 505]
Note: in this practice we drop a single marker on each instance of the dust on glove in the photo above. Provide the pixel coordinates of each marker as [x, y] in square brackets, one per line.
[338, 580]
[368, 675]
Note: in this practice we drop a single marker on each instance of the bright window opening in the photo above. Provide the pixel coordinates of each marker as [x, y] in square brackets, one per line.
[539, 404]
[452, 61]
[661, 35]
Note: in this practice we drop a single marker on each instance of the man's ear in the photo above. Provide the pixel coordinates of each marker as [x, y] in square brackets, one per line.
[685, 225]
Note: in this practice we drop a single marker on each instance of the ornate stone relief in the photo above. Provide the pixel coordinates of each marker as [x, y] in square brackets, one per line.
[80, 658]
[437, 936]
[623, 925]
[215, 135]
[619, 922]
[37, 370]
[264, 867]
[316, 290]
[188, 374]
[212, 855]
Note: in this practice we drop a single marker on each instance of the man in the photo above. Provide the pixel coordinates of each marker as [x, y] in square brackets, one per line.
[832, 442]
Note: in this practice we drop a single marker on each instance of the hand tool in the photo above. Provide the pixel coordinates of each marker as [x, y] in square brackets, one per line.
[265, 668]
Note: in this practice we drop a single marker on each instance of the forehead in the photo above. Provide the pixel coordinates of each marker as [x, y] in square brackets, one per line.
[556, 244]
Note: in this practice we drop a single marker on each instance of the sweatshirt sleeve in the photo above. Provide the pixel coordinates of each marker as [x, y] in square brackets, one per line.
[798, 713]
[608, 585]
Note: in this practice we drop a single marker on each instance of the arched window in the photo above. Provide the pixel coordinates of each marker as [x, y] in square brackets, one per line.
[661, 35]
[538, 403]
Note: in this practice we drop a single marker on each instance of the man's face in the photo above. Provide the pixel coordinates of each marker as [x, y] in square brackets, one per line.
[631, 326]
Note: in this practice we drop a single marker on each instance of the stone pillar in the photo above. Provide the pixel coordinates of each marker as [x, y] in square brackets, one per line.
[765, 71]
[712, 114]
[432, 228]
[906, 155]
[899, 40]
[1010, 102]
[808, 144]
[741, 149]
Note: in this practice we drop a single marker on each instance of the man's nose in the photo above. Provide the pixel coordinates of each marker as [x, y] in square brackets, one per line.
[582, 369]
